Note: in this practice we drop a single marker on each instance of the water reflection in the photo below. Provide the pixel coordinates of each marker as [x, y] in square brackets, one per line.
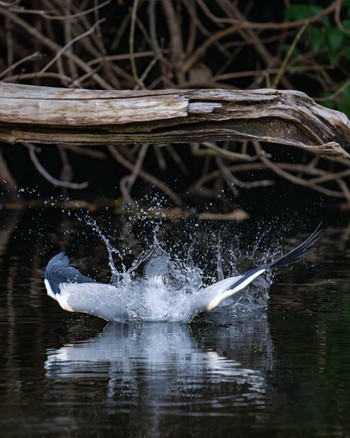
[67, 375]
[169, 366]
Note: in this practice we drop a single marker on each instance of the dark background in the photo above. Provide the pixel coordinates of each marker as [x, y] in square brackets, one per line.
[243, 46]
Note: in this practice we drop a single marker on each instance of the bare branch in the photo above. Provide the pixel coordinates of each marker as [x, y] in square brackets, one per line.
[144, 175]
[47, 176]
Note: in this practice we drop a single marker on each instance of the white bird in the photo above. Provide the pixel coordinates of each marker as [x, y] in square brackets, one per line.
[76, 292]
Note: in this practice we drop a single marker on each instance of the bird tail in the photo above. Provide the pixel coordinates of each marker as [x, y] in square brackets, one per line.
[295, 254]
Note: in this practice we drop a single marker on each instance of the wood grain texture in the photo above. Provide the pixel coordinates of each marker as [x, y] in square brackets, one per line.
[91, 117]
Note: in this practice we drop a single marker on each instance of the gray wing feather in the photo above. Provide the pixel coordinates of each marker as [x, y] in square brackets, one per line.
[212, 296]
[98, 299]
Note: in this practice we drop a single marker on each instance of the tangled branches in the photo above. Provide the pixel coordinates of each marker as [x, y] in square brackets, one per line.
[158, 44]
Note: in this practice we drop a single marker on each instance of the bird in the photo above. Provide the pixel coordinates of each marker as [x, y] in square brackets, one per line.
[76, 292]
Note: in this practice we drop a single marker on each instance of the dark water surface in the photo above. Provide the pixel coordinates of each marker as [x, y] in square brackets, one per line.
[284, 372]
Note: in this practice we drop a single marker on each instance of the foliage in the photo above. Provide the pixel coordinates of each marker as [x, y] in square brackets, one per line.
[328, 41]
[153, 44]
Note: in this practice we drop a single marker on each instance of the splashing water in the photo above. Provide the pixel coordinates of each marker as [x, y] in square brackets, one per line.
[161, 286]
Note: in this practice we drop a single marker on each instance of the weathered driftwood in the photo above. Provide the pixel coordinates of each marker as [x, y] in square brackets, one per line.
[58, 115]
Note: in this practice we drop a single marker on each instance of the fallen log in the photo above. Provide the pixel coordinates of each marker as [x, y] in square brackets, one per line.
[91, 117]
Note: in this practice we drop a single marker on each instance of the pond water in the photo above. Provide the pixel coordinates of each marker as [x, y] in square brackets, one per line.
[279, 371]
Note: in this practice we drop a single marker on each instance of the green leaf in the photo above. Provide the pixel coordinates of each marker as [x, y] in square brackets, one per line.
[328, 103]
[346, 52]
[317, 38]
[300, 12]
[335, 39]
[346, 95]
[346, 24]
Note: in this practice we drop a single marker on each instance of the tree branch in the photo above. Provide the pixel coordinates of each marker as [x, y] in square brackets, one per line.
[86, 117]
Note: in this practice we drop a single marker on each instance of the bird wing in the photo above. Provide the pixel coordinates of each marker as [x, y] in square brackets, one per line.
[76, 292]
[210, 297]
[98, 299]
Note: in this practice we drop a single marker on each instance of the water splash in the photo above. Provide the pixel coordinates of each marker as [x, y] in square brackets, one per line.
[115, 274]
[165, 279]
